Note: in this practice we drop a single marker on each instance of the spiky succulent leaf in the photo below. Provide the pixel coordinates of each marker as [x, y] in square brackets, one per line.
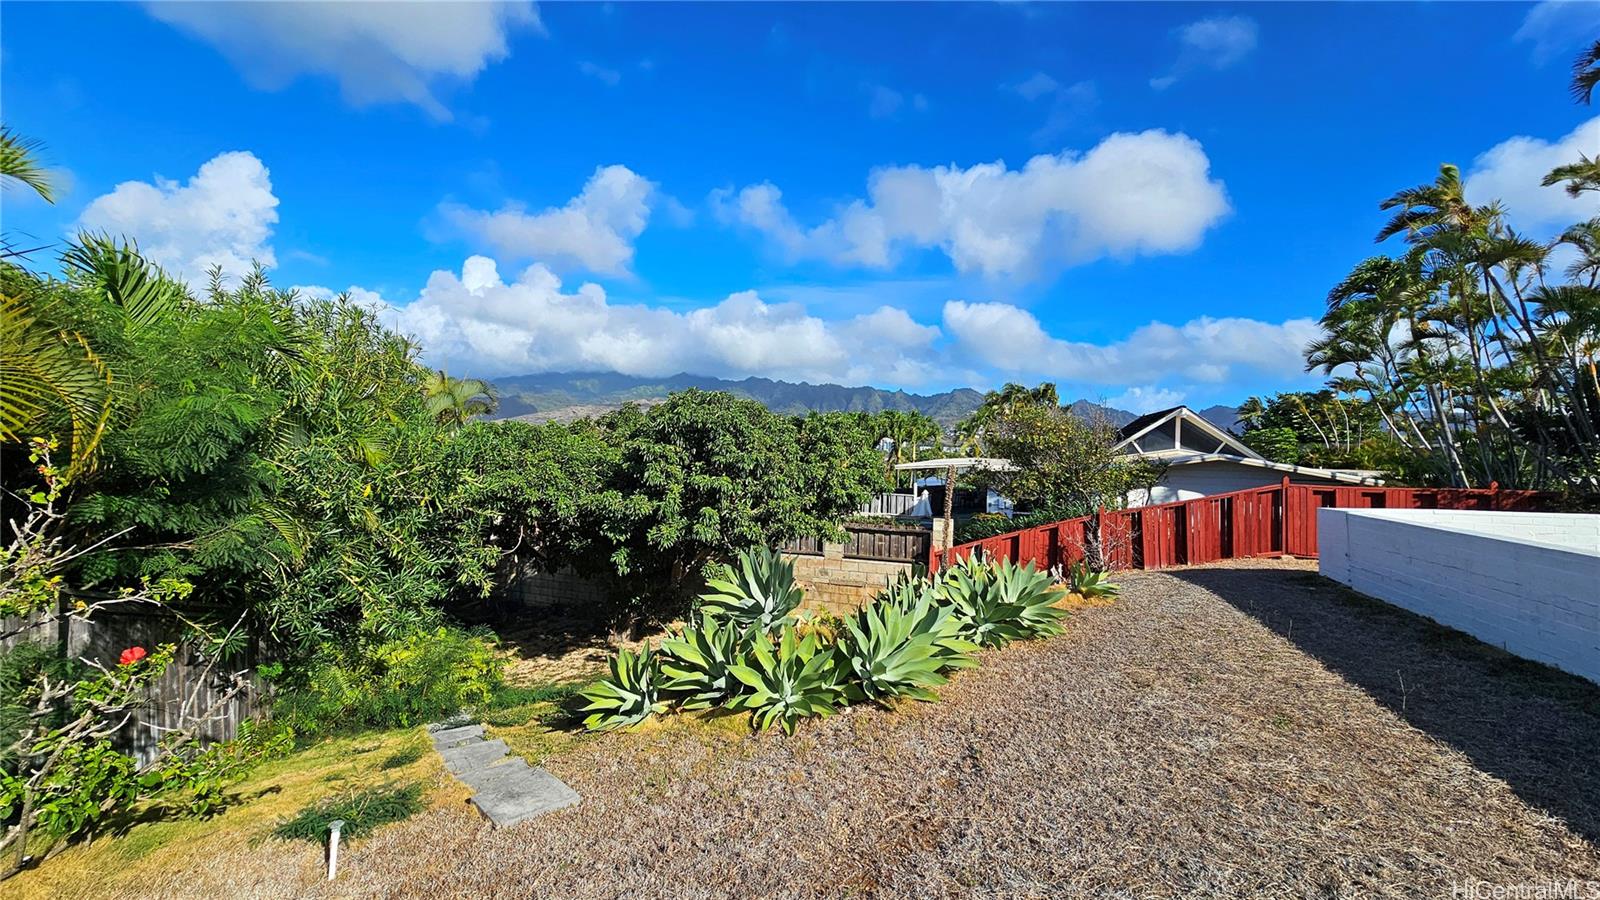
[760, 592]
[696, 663]
[1031, 593]
[898, 649]
[789, 679]
[629, 696]
[1085, 582]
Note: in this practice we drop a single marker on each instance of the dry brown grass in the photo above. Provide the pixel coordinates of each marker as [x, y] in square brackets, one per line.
[1237, 731]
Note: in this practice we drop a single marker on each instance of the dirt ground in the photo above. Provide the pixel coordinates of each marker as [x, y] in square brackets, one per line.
[1239, 730]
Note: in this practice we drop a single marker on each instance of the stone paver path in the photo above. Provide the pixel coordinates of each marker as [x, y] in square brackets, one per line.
[506, 789]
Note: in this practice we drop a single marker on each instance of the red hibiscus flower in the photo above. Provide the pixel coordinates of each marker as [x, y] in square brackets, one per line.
[132, 655]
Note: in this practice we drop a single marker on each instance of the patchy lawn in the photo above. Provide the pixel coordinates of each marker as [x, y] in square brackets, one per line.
[1237, 730]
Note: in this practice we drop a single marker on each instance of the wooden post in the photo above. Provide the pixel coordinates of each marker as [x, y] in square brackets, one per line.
[1283, 526]
[950, 493]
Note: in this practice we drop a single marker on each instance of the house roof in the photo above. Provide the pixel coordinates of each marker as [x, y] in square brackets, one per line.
[1142, 423]
[1130, 433]
[959, 462]
[1348, 476]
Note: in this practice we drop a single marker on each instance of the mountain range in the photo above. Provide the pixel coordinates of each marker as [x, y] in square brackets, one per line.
[565, 396]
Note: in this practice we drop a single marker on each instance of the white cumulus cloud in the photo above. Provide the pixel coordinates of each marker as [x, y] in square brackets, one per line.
[476, 321]
[594, 231]
[1143, 399]
[1559, 27]
[1132, 194]
[378, 52]
[1511, 172]
[1208, 350]
[223, 215]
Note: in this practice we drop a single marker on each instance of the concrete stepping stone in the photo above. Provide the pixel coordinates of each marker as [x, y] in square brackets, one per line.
[517, 800]
[505, 788]
[450, 737]
[473, 755]
[482, 779]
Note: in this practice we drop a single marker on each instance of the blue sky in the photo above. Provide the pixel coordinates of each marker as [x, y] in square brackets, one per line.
[1144, 203]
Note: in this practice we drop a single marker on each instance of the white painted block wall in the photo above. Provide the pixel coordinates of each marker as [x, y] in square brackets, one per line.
[1526, 582]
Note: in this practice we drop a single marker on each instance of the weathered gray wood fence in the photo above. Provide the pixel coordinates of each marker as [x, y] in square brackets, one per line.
[187, 680]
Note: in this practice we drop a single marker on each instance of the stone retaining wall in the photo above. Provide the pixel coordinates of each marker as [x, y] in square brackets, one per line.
[841, 586]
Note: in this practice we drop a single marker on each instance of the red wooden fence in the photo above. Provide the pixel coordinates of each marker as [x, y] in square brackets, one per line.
[1280, 520]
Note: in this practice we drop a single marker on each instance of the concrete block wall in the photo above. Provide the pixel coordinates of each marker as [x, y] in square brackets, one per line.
[1526, 582]
[841, 586]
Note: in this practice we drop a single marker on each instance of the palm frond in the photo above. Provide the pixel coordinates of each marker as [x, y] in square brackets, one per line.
[41, 367]
[19, 162]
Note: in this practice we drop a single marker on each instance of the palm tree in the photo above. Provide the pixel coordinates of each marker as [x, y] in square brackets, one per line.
[1429, 209]
[1583, 175]
[454, 401]
[43, 368]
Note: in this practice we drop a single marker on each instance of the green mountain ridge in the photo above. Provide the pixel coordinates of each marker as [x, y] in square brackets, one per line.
[546, 395]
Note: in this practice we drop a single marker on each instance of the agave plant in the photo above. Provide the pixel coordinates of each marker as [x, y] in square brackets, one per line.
[898, 648]
[759, 593]
[997, 603]
[789, 679]
[968, 587]
[696, 663]
[629, 696]
[1031, 592]
[923, 600]
[1086, 582]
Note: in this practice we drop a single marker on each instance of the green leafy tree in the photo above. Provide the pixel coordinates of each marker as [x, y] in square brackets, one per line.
[1314, 428]
[1063, 463]
[972, 432]
[704, 475]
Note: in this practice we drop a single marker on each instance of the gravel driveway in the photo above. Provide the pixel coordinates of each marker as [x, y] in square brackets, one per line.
[1245, 730]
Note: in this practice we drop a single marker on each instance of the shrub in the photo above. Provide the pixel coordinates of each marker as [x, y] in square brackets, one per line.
[422, 677]
[363, 811]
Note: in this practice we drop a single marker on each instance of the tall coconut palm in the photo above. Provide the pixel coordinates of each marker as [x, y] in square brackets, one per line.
[454, 401]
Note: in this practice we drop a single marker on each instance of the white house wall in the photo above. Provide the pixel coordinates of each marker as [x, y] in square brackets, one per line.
[1525, 582]
[1207, 478]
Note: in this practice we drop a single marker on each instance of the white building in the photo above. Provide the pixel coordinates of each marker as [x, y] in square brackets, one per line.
[1202, 459]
